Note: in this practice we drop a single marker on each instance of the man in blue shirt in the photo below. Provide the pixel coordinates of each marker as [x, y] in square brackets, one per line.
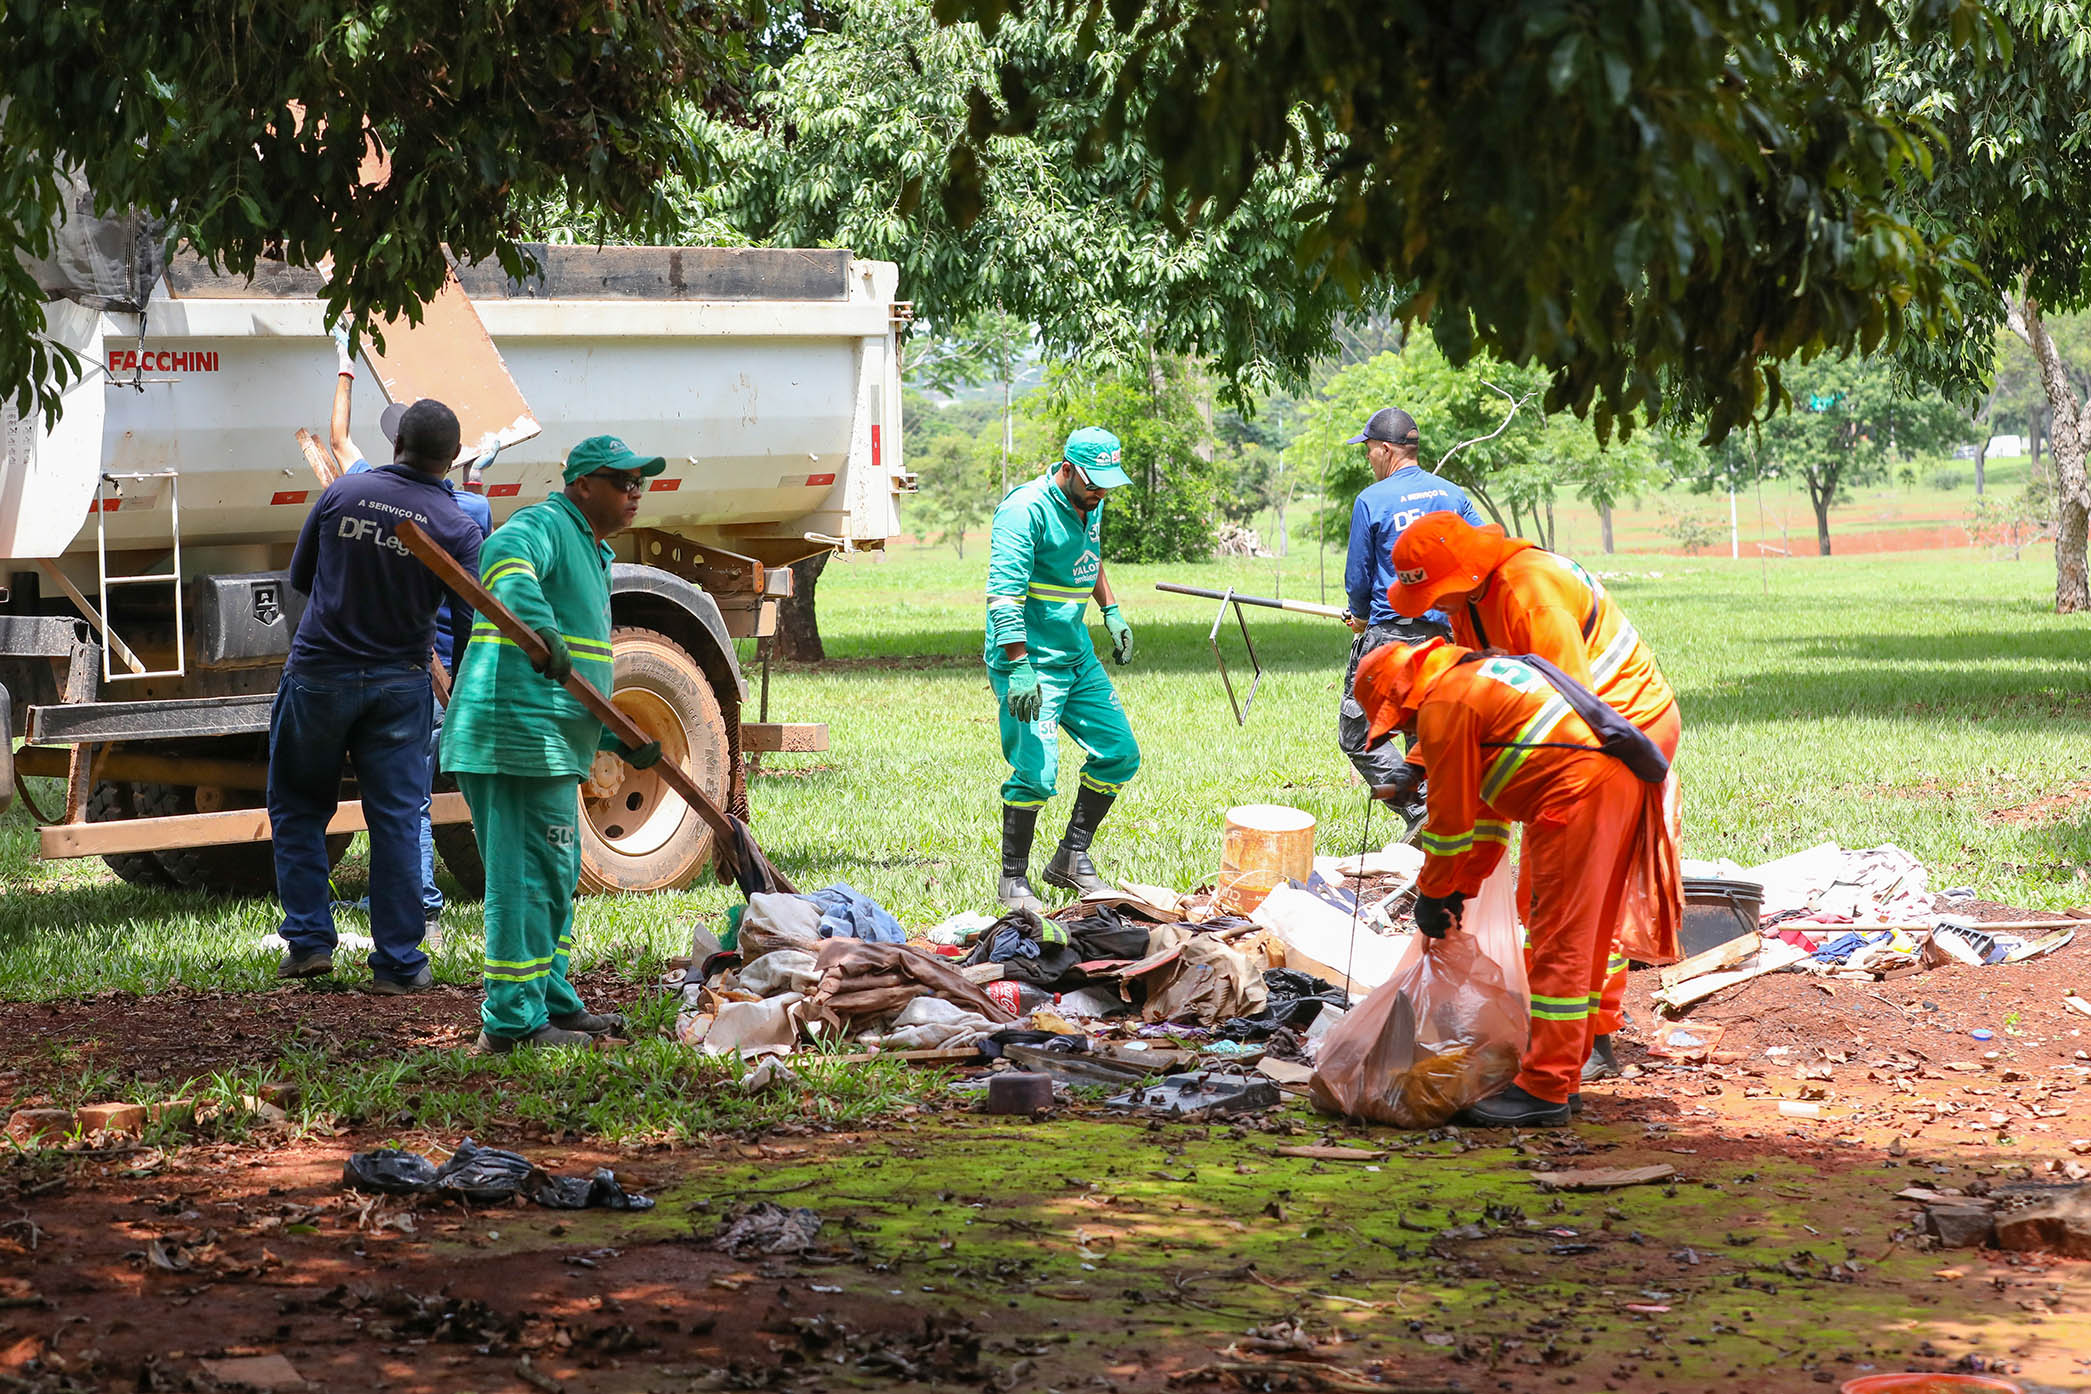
[357, 688]
[453, 621]
[1401, 492]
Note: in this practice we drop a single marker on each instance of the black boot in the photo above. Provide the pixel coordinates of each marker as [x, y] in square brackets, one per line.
[1513, 1108]
[1019, 825]
[1070, 866]
[1602, 1064]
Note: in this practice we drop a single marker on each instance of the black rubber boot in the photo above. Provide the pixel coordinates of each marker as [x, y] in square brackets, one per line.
[1602, 1064]
[594, 1024]
[1513, 1108]
[1019, 825]
[1070, 867]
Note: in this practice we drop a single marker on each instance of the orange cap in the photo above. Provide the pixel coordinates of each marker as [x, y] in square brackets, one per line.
[1437, 554]
[1388, 681]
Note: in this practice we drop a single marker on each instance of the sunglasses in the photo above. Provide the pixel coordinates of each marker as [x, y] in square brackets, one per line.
[626, 483]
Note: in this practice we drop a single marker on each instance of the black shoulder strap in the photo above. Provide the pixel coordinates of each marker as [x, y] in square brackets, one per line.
[1616, 736]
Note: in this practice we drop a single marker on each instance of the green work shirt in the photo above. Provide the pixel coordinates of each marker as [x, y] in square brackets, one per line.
[1042, 562]
[545, 565]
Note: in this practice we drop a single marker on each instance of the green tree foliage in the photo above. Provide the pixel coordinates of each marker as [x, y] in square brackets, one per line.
[189, 113]
[1648, 203]
[955, 451]
[1167, 511]
[1851, 421]
[850, 144]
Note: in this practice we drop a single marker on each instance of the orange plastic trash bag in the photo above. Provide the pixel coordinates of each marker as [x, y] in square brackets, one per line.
[1447, 1029]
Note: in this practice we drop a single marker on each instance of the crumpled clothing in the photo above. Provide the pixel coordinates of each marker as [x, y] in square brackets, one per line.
[771, 1024]
[1210, 981]
[862, 983]
[1031, 950]
[485, 1176]
[931, 1023]
[847, 913]
[781, 970]
[1106, 933]
[775, 920]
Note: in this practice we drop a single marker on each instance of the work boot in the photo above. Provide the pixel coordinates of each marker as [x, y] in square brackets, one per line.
[1513, 1108]
[316, 964]
[1019, 826]
[432, 932]
[1575, 1104]
[1070, 867]
[423, 981]
[1602, 1064]
[547, 1035]
[594, 1024]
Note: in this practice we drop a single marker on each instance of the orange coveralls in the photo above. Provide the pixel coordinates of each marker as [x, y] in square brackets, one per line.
[1491, 732]
[1539, 603]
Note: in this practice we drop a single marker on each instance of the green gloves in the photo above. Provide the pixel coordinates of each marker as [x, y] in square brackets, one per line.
[1121, 634]
[1025, 700]
[559, 662]
[643, 757]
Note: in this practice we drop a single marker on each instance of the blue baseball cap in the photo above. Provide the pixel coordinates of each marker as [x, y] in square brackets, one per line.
[1097, 454]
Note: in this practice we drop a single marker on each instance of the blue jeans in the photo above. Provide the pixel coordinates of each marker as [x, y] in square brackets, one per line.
[431, 898]
[378, 718]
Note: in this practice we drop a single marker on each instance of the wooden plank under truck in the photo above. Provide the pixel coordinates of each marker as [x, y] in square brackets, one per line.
[147, 535]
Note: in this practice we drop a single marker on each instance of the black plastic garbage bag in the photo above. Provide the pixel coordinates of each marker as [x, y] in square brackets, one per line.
[1295, 1000]
[486, 1176]
[389, 1172]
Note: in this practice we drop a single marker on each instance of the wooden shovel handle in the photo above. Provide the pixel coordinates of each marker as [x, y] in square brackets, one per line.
[465, 584]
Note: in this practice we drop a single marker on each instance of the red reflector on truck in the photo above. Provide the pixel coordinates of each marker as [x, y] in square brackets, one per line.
[289, 496]
[664, 486]
[503, 491]
[112, 506]
[875, 446]
[819, 480]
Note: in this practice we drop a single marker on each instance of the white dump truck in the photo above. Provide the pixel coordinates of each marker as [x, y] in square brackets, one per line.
[148, 534]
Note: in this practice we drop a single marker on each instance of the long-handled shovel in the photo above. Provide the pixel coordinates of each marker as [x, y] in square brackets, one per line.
[728, 832]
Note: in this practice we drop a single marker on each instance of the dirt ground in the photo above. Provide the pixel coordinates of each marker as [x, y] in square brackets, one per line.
[1083, 1251]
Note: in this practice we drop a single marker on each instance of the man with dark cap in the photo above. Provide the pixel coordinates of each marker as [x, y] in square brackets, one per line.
[453, 621]
[357, 688]
[1401, 492]
[521, 745]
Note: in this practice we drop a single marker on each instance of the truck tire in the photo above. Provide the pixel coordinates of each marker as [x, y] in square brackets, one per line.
[240, 868]
[637, 834]
[113, 803]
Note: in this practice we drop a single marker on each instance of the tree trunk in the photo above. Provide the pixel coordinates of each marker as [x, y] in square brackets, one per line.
[2066, 439]
[1820, 492]
[1604, 525]
[1989, 405]
[798, 625]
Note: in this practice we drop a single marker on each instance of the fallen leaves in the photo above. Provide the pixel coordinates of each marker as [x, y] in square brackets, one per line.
[1602, 1178]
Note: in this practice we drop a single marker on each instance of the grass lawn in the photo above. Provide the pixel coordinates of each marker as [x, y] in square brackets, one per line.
[1915, 698]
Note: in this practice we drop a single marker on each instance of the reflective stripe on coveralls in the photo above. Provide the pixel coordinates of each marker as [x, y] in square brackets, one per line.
[531, 830]
[1084, 702]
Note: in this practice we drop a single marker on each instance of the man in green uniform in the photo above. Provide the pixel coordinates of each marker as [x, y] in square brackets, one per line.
[521, 745]
[1044, 563]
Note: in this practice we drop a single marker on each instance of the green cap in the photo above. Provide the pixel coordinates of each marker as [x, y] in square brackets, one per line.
[1095, 452]
[609, 453]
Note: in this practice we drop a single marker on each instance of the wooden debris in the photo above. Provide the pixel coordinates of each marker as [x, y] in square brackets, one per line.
[1331, 1154]
[1713, 960]
[1603, 1178]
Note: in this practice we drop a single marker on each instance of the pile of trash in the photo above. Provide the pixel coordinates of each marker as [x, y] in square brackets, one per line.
[1114, 990]
[1864, 913]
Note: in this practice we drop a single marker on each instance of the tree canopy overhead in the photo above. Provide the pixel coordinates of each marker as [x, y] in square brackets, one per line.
[247, 124]
[849, 143]
[1649, 202]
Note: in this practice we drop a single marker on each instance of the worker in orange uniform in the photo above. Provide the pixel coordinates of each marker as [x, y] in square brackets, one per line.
[1507, 594]
[1507, 740]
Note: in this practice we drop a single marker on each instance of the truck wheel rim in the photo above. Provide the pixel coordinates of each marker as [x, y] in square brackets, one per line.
[641, 814]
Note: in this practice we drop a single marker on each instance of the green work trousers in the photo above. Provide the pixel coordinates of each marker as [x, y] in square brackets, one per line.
[1082, 700]
[530, 840]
